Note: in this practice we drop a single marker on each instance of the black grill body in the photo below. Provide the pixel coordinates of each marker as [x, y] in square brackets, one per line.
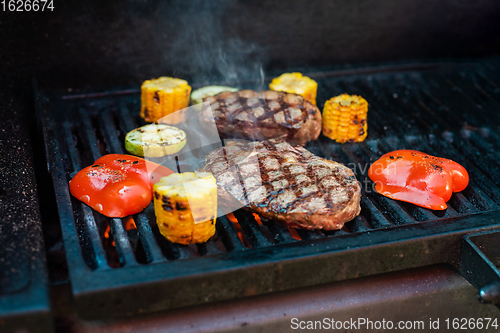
[446, 110]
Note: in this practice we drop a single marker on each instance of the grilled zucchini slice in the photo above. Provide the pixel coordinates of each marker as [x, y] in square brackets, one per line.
[198, 95]
[155, 140]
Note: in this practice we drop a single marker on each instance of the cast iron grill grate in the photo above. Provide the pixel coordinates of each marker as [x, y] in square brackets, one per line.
[450, 113]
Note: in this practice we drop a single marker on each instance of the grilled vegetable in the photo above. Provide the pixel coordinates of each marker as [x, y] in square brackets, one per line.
[155, 140]
[198, 94]
[296, 83]
[186, 207]
[345, 118]
[117, 185]
[165, 96]
[418, 178]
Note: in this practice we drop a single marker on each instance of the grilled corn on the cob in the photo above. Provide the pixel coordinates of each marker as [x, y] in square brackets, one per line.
[345, 118]
[162, 97]
[186, 206]
[296, 83]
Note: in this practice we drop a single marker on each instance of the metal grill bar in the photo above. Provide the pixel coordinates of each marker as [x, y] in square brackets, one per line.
[463, 203]
[376, 113]
[70, 145]
[125, 118]
[90, 141]
[153, 252]
[93, 233]
[280, 233]
[417, 213]
[251, 229]
[227, 232]
[474, 190]
[425, 102]
[459, 200]
[473, 155]
[452, 97]
[308, 235]
[394, 209]
[468, 90]
[209, 248]
[492, 190]
[110, 133]
[334, 233]
[376, 218]
[123, 247]
[379, 99]
[481, 145]
[366, 198]
[489, 88]
[359, 224]
[181, 251]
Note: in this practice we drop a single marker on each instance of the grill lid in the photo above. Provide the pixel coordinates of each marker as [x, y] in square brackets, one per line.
[446, 112]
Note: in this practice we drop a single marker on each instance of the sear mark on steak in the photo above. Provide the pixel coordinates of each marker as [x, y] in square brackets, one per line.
[253, 115]
[286, 183]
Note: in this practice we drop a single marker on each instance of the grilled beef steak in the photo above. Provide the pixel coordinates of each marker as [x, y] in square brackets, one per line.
[252, 115]
[285, 183]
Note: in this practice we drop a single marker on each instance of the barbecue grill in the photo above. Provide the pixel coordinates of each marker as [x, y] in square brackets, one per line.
[110, 274]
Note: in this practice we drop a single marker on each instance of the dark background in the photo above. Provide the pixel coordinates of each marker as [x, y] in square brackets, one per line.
[108, 43]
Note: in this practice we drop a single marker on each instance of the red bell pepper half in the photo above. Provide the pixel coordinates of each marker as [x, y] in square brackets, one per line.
[117, 185]
[418, 178]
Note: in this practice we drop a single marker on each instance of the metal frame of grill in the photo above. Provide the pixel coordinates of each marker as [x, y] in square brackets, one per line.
[455, 108]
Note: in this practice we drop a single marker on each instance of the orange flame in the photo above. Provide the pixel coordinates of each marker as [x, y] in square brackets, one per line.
[128, 224]
[294, 233]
